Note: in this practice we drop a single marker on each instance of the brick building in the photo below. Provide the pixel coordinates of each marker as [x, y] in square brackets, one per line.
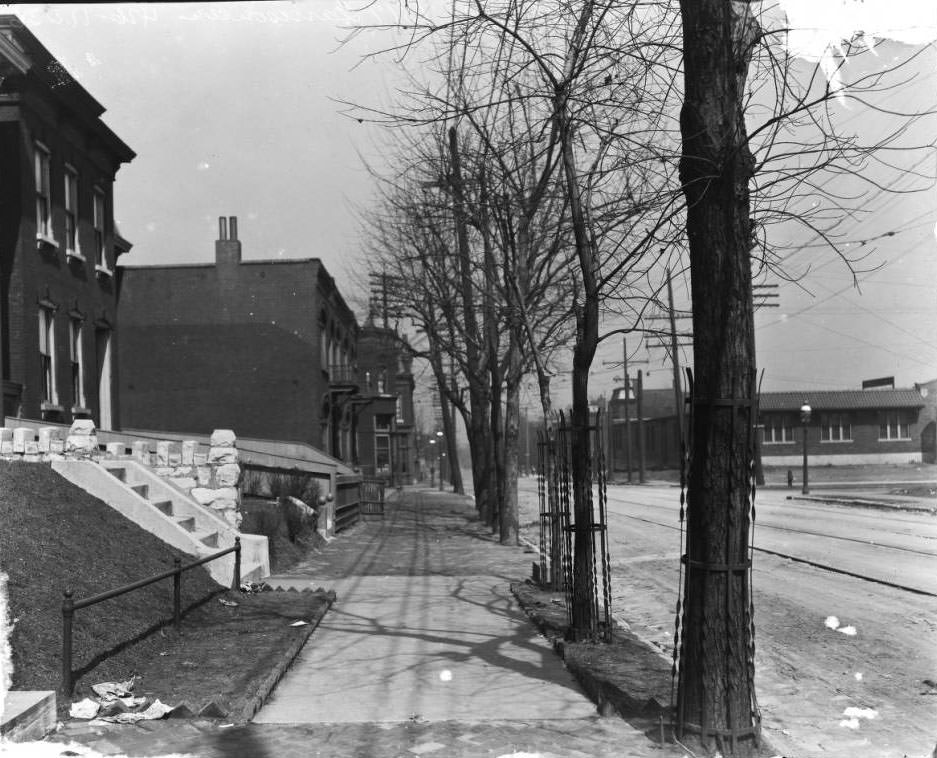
[880, 425]
[266, 347]
[385, 415]
[845, 427]
[58, 241]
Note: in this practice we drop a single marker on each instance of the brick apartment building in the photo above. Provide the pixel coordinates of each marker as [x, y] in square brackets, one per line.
[58, 241]
[385, 414]
[266, 347]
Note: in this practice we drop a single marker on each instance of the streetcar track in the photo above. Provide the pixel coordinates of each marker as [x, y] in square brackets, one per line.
[763, 525]
[807, 561]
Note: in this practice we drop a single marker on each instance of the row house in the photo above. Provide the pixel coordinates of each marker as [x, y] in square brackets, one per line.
[384, 417]
[266, 347]
[58, 241]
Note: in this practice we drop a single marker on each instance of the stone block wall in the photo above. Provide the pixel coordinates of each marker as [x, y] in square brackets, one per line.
[210, 478]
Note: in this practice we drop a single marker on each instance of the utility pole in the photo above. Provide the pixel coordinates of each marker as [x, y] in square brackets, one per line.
[675, 360]
[640, 421]
[624, 368]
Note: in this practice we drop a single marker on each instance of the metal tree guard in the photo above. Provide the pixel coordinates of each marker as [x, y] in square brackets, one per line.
[681, 723]
[558, 525]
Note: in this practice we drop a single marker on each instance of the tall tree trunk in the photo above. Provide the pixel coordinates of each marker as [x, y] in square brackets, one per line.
[479, 397]
[508, 517]
[587, 339]
[715, 695]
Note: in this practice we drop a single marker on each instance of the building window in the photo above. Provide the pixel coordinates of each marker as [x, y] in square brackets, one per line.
[71, 211]
[778, 430]
[400, 418]
[894, 425]
[43, 193]
[382, 422]
[47, 355]
[381, 453]
[100, 257]
[835, 427]
[76, 356]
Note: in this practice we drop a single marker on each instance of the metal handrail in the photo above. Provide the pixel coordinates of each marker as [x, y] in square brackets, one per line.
[69, 606]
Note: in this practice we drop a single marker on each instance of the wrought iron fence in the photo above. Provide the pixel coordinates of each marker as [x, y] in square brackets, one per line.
[69, 606]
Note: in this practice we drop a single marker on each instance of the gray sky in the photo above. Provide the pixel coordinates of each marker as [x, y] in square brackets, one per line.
[228, 108]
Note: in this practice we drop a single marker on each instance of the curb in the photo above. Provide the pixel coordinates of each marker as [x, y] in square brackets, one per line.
[878, 505]
[610, 698]
[243, 709]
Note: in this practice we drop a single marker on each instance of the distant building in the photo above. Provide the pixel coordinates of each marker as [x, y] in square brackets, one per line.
[928, 420]
[845, 427]
[876, 425]
[661, 434]
[265, 347]
[385, 415]
[58, 241]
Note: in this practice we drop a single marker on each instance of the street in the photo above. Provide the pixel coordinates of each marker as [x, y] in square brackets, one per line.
[844, 636]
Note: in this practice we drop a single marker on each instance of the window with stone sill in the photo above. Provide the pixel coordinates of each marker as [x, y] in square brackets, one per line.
[41, 175]
[47, 357]
[71, 213]
[76, 357]
[100, 254]
[835, 427]
[894, 425]
[778, 430]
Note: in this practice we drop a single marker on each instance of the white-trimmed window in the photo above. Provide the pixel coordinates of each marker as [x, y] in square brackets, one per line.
[894, 425]
[42, 173]
[76, 357]
[400, 418]
[100, 257]
[835, 427]
[778, 429]
[71, 211]
[47, 354]
[381, 453]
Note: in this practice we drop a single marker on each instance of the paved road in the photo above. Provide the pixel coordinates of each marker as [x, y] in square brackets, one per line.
[896, 547]
[807, 674]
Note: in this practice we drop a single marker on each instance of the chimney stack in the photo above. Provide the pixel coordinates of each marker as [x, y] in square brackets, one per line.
[228, 246]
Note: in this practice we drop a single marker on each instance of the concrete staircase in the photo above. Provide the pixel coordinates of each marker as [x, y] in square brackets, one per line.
[167, 512]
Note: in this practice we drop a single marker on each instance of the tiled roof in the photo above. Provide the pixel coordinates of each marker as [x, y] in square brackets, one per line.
[838, 400]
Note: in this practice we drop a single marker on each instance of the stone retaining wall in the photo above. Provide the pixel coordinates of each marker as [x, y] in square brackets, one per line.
[211, 478]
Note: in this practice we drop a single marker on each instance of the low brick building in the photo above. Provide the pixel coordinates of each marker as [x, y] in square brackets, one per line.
[266, 347]
[58, 241]
[881, 425]
[846, 427]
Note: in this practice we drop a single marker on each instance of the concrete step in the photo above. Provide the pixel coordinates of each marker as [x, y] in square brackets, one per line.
[120, 473]
[141, 489]
[28, 716]
[164, 506]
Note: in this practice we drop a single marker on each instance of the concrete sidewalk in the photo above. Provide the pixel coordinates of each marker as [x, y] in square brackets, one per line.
[425, 652]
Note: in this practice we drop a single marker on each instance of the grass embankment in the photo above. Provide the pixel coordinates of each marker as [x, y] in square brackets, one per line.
[54, 536]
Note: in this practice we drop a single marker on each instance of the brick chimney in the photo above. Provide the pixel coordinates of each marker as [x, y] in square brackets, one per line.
[227, 246]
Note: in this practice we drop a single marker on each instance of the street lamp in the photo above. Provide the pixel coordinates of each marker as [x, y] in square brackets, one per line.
[432, 463]
[804, 420]
[440, 455]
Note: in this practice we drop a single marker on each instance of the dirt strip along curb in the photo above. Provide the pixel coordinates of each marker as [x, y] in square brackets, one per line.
[245, 707]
